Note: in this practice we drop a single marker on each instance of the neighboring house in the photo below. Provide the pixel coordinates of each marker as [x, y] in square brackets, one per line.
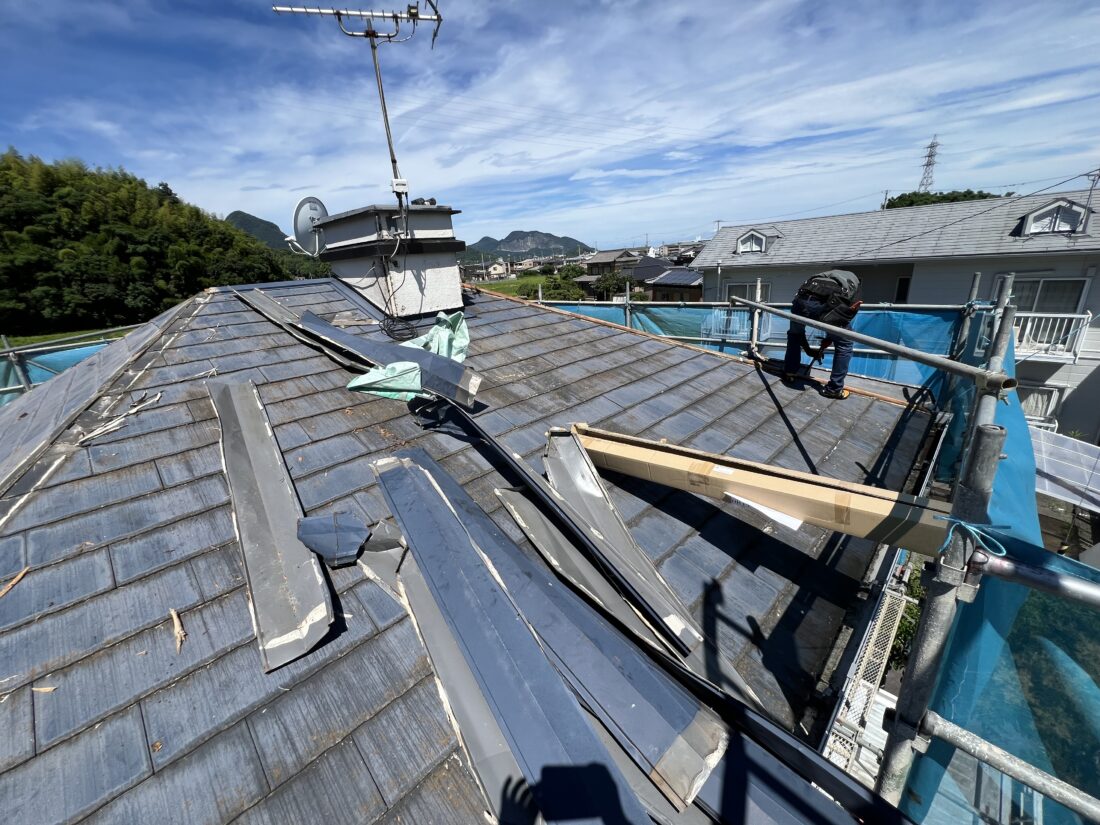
[613, 260]
[676, 284]
[681, 253]
[928, 254]
[646, 267]
[498, 270]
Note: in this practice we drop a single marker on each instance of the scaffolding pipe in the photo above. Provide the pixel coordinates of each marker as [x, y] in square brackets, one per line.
[986, 407]
[943, 577]
[1042, 782]
[16, 365]
[987, 380]
[1064, 585]
[964, 327]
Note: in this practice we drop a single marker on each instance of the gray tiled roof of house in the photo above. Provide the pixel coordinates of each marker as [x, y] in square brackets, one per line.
[610, 256]
[678, 276]
[977, 228]
[136, 522]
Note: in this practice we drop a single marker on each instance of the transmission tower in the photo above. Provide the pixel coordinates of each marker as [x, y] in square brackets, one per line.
[929, 165]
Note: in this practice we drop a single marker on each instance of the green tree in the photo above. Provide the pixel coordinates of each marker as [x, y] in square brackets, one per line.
[82, 248]
[910, 618]
[561, 289]
[571, 271]
[546, 269]
[925, 198]
[610, 283]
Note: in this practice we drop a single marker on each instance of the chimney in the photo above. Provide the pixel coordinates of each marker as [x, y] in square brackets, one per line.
[405, 271]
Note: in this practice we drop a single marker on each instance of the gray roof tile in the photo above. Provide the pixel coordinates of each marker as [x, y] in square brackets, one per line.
[978, 228]
[151, 500]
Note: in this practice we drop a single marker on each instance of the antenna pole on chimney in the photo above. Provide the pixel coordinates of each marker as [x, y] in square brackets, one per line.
[411, 15]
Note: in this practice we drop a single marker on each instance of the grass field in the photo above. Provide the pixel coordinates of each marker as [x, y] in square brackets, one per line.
[527, 285]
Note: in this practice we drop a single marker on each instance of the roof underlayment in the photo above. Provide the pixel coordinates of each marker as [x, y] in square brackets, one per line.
[116, 500]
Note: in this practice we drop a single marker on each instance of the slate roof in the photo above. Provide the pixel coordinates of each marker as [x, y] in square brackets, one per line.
[610, 256]
[978, 228]
[647, 267]
[678, 276]
[102, 718]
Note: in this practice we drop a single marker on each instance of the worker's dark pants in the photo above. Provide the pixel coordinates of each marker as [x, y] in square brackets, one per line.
[796, 337]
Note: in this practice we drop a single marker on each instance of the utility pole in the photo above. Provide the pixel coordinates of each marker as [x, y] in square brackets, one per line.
[885, 198]
[929, 165]
[717, 226]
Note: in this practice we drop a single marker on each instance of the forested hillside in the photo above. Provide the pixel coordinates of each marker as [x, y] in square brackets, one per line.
[88, 248]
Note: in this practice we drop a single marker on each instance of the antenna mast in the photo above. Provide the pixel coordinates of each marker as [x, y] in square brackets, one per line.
[412, 15]
[929, 165]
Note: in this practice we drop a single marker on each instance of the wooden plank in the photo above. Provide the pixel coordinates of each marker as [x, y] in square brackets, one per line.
[840, 506]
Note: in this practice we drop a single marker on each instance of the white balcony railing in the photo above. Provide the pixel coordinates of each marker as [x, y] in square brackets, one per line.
[1051, 336]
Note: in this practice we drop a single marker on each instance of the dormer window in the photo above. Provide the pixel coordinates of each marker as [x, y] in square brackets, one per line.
[1061, 216]
[751, 242]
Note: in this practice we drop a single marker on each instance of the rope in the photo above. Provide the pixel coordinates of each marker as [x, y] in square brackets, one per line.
[976, 534]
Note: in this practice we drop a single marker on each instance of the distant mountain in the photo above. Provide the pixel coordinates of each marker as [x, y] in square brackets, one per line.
[526, 244]
[258, 228]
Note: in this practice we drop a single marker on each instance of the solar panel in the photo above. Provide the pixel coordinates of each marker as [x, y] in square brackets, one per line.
[1067, 469]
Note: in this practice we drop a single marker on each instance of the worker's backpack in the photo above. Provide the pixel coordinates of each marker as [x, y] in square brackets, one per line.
[839, 290]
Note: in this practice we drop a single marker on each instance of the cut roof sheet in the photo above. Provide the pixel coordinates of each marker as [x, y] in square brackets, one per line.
[978, 228]
[136, 523]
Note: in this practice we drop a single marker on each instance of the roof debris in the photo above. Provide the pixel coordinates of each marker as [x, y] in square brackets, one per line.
[18, 577]
[177, 629]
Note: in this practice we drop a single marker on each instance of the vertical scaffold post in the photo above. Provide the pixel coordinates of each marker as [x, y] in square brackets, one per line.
[755, 337]
[17, 366]
[946, 576]
[943, 578]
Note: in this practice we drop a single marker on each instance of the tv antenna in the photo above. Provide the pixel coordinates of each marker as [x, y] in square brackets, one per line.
[413, 16]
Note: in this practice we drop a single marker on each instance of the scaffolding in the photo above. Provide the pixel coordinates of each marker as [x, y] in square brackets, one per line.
[954, 577]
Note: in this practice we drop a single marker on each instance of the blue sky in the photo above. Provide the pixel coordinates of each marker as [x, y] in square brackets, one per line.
[606, 120]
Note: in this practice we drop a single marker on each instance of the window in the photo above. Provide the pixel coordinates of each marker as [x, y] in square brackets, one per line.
[1039, 402]
[748, 290]
[1055, 295]
[901, 293]
[1060, 217]
[752, 242]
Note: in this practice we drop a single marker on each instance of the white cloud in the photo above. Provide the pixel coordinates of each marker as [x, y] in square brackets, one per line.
[572, 118]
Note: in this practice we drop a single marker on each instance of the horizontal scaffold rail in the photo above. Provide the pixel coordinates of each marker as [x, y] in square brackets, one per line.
[993, 381]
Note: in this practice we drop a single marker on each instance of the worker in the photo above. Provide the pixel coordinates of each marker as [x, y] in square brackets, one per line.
[833, 297]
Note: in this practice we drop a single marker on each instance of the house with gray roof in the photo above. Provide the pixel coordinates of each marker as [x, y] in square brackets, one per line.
[929, 254]
[132, 688]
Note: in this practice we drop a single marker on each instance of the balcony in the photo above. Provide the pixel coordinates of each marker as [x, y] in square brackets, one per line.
[1049, 336]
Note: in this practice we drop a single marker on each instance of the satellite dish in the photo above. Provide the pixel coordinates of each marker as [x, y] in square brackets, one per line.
[306, 214]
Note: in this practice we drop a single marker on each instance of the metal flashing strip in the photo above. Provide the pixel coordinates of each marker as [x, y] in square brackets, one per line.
[571, 473]
[569, 771]
[569, 563]
[667, 731]
[440, 376]
[35, 420]
[854, 509]
[477, 726]
[637, 591]
[288, 595]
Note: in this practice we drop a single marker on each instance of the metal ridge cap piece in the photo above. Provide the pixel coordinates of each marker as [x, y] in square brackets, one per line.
[288, 595]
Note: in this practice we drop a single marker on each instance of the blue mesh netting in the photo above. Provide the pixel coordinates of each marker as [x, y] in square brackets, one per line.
[729, 330]
[1022, 667]
[41, 367]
